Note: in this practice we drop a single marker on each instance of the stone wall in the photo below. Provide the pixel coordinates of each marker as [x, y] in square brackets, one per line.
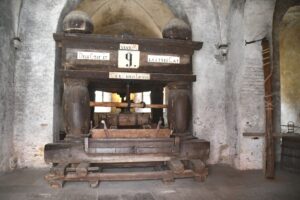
[249, 20]
[7, 70]
[35, 69]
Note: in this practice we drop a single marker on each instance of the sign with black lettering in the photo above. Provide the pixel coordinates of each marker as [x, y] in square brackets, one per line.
[128, 59]
[84, 55]
[132, 76]
[163, 59]
[134, 47]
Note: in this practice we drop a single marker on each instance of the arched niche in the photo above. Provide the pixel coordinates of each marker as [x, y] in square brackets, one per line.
[289, 51]
[140, 18]
[281, 8]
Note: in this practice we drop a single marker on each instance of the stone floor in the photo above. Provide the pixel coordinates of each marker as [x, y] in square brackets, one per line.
[223, 183]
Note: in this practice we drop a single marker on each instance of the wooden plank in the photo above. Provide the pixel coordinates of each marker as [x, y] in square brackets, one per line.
[131, 133]
[130, 147]
[130, 150]
[104, 143]
[127, 176]
[73, 63]
[120, 85]
[124, 176]
[96, 75]
[95, 178]
[145, 44]
[254, 134]
[125, 119]
[60, 153]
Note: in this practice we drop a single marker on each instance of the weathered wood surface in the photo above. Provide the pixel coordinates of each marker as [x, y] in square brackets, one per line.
[131, 133]
[124, 119]
[124, 176]
[97, 75]
[125, 105]
[269, 167]
[72, 63]
[61, 153]
[145, 44]
[76, 108]
[136, 147]
[95, 177]
[179, 107]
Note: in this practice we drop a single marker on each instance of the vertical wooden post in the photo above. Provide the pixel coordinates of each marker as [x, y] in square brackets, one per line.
[76, 106]
[269, 165]
[179, 107]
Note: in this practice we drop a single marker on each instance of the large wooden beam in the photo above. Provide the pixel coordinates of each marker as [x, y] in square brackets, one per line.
[131, 133]
[128, 176]
[269, 167]
[96, 75]
[145, 44]
[125, 105]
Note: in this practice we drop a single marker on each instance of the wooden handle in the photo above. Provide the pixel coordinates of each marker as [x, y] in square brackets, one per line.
[125, 105]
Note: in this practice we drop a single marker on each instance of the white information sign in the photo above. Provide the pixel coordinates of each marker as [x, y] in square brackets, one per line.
[128, 59]
[84, 55]
[163, 59]
[133, 47]
[125, 75]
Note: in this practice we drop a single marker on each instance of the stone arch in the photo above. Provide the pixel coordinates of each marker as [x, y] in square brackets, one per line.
[289, 71]
[281, 8]
[115, 16]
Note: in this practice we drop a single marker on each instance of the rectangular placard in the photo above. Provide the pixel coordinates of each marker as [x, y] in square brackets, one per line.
[84, 55]
[125, 75]
[132, 47]
[128, 59]
[163, 59]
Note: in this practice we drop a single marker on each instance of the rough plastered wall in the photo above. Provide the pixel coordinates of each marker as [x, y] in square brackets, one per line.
[7, 70]
[227, 98]
[209, 90]
[250, 20]
[35, 64]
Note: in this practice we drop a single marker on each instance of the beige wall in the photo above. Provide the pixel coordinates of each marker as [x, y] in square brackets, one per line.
[290, 66]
